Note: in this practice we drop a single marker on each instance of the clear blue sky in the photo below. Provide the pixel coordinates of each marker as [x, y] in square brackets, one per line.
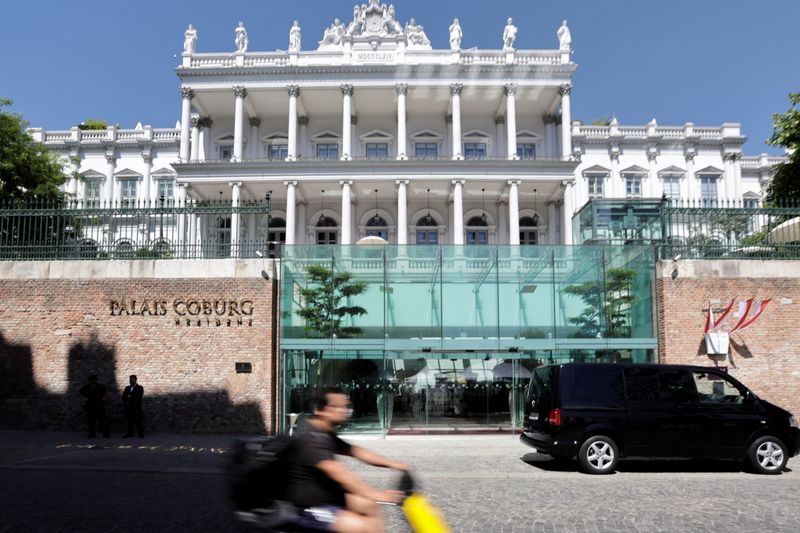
[704, 61]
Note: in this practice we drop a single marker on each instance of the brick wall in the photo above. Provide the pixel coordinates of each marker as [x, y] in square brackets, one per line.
[765, 356]
[56, 330]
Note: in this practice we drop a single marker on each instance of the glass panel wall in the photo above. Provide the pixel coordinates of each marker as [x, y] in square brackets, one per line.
[439, 337]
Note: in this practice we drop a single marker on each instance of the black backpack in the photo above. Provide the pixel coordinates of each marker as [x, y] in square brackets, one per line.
[259, 471]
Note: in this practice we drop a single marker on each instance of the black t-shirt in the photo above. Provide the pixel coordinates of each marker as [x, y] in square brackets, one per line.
[94, 394]
[308, 485]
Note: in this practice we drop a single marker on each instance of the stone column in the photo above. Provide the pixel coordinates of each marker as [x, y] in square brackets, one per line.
[205, 137]
[402, 152]
[291, 203]
[144, 195]
[566, 213]
[617, 190]
[294, 92]
[347, 233]
[737, 177]
[111, 165]
[551, 223]
[181, 202]
[513, 212]
[347, 112]
[566, 129]
[688, 191]
[402, 212]
[191, 248]
[511, 121]
[448, 122]
[73, 180]
[300, 232]
[458, 212]
[652, 177]
[303, 149]
[236, 187]
[238, 122]
[550, 141]
[499, 123]
[253, 143]
[195, 150]
[186, 108]
[455, 91]
[727, 192]
[502, 221]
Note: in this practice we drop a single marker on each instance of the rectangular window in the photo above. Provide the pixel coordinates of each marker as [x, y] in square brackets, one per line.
[128, 194]
[427, 237]
[708, 188]
[426, 150]
[377, 150]
[278, 152]
[165, 190]
[225, 153]
[526, 151]
[474, 150]
[633, 186]
[477, 237]
[328, 151]
[599, 383]
[672, 186]
[92, 193]
[751, 204]
[595, 185]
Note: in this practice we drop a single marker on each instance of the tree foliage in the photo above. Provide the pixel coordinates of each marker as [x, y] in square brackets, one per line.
[607, 303]
[28, 171]
[93, 124]
[785, 183]
[325, 302]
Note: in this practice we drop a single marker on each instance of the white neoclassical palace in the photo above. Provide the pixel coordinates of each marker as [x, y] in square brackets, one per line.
[376, 133]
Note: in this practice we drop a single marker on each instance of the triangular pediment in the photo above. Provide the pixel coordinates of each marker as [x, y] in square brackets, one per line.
[378, 135]
[634, 169]
[596, 169]
[425, 135]
[91, 174]
[225, 137]
[672, 169]
[164, 171]
[127, 173]
[474, 134]
[527, 134]
[709, 170]
[750, 195]
[275, 136]
[325, 136]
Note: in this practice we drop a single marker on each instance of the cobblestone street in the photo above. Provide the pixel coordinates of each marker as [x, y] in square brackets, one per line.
[62, 482]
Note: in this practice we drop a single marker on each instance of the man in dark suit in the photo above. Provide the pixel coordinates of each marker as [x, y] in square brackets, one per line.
[94, 397]
[132, 400]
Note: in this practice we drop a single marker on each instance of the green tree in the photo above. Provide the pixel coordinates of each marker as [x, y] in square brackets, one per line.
[326, 302]
[785, 182]
[28, 171]
[93, 124]
[608, 303]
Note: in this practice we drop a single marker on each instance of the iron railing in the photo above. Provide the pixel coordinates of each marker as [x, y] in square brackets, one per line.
[161, 229]
[730, 230]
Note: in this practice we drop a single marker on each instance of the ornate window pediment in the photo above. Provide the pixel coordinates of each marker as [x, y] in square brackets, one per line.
[528, 136]
[672, 169]
[127, 173]
[376, 136]
[277, 137]
[92, 174]
[476, 136]
[326, 136]
[426, 136]
[709, 170]
[634, 169]
[163, 173]
[596, 169]
[225, 138]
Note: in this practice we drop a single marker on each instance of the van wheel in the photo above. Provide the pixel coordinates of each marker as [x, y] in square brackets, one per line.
[768, 455]
[598, 455]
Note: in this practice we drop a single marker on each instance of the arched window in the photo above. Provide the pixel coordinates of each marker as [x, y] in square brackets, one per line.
[326, 230]
[123, 249]
[427, 230]
[276, 235]
[528, 230]
[87, 248]
[377, 226]
[476, 231]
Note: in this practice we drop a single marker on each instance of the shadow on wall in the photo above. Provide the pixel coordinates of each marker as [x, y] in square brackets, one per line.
[23, 405]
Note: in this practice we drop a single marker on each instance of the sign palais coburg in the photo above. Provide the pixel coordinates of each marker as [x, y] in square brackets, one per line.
[189, 311]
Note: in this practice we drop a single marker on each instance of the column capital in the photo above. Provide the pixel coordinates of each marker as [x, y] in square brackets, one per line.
[195, 121]
[567, 183]
[499, 119]
[455, 88]
[458, 182]
[239, 91]
[401, 182]
[345, 182]
[510, 89]
[290, 183]
[689, 155]
[111, 158]
[614, 154]
[234, 184]
[401, 88]
[293, 90]
[255, 121]
[549, 118]
[347, 89]
[206, 122]
[651, 155]
[448, 119]
[565, 88]
[514, 182]
[147, 158]
[354, 120]
[302, 120]
[187, 92]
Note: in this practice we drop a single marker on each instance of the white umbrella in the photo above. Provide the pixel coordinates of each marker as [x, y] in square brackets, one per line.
[507, 371]
[372, 239]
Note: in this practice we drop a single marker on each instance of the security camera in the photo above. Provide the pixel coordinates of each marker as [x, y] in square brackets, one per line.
[259, 254]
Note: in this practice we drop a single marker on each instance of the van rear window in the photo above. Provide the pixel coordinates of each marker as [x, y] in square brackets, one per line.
[541, 385]
[598, 383]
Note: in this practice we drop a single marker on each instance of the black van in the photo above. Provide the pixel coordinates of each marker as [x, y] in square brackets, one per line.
[601, 412]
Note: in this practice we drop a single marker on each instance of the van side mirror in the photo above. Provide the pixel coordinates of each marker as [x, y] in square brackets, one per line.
[749, 397]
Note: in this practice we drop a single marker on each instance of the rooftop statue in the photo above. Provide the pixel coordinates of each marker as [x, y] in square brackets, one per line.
[390, 24]
[455, 35]
[333, 35]
[509, 35]
[356, 27]
[189, 39]
[564, 38]
[415, 34]
[241, 38]
[294, 37]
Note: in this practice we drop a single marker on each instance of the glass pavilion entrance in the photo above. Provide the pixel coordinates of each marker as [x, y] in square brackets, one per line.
[448, 336]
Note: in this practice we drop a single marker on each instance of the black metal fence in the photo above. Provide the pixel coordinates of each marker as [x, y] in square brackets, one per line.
[163, 229]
